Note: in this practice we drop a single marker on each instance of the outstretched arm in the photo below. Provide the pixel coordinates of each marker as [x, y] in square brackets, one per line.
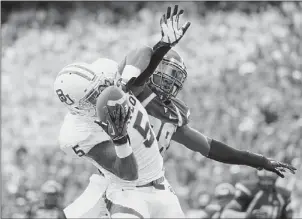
[171, 35]
[221, 152]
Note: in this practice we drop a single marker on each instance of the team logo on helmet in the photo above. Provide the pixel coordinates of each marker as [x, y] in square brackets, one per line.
[64, 98]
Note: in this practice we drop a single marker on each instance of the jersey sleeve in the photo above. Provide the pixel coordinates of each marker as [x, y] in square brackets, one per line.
[78, 138]
[183, 112]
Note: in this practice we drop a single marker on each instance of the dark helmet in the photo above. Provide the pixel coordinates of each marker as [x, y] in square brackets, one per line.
[267, 178]
[169, 76]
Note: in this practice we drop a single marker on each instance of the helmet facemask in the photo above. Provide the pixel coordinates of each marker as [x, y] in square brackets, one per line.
[168, 79]
[87, 105]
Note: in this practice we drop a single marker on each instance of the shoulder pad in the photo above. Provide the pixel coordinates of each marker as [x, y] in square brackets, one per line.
[183, 110]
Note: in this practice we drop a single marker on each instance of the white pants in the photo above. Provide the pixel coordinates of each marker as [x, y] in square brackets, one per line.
[144, 202]
[90, 204]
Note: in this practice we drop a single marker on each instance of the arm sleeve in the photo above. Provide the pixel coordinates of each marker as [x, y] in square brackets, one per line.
[135, 62]
[159, 51]
[226, 154]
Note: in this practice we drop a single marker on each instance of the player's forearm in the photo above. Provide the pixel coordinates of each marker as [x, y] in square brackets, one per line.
[216, 150]
[228, 213]
[126, 168]
[125, 164]
[226, 154]
[192, 139]
[119, 161]
[159, 51]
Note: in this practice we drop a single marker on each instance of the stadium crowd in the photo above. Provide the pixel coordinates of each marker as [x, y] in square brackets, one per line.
[244, 69]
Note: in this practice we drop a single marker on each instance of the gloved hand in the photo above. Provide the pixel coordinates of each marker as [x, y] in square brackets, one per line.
[117, 120]
[170, 30]
[277, 167]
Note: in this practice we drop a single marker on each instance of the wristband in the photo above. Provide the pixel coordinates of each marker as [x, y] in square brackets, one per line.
[123, 140]
[123, 150]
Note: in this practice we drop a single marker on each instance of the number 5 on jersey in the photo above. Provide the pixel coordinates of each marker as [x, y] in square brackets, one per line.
[78, 151]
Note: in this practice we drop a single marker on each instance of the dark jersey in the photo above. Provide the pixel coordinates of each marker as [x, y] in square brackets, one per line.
[164, 118]
[275, 202]
[41, 211]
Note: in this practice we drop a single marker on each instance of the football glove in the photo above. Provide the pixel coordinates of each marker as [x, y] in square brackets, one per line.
[169, 23]
[117, 120]
[277, 167]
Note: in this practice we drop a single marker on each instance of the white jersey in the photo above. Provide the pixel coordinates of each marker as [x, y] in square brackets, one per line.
[80, 134]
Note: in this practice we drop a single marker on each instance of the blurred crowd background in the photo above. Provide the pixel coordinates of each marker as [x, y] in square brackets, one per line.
[244, 88]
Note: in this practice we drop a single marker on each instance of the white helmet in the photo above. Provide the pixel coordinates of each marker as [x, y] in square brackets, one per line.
[78, 85]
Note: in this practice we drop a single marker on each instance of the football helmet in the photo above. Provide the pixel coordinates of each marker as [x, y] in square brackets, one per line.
[169, 76]
[78, 85]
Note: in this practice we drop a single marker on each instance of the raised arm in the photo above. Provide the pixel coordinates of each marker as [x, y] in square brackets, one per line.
[171, 35]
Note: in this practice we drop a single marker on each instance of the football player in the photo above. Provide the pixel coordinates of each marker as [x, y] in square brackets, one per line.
[129, 156]
[51, 205]
[260, 199]
[169, 116]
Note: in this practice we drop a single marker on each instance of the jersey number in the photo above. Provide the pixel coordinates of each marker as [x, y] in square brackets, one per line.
[78, 151]
[146, 131]
[163, 131]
